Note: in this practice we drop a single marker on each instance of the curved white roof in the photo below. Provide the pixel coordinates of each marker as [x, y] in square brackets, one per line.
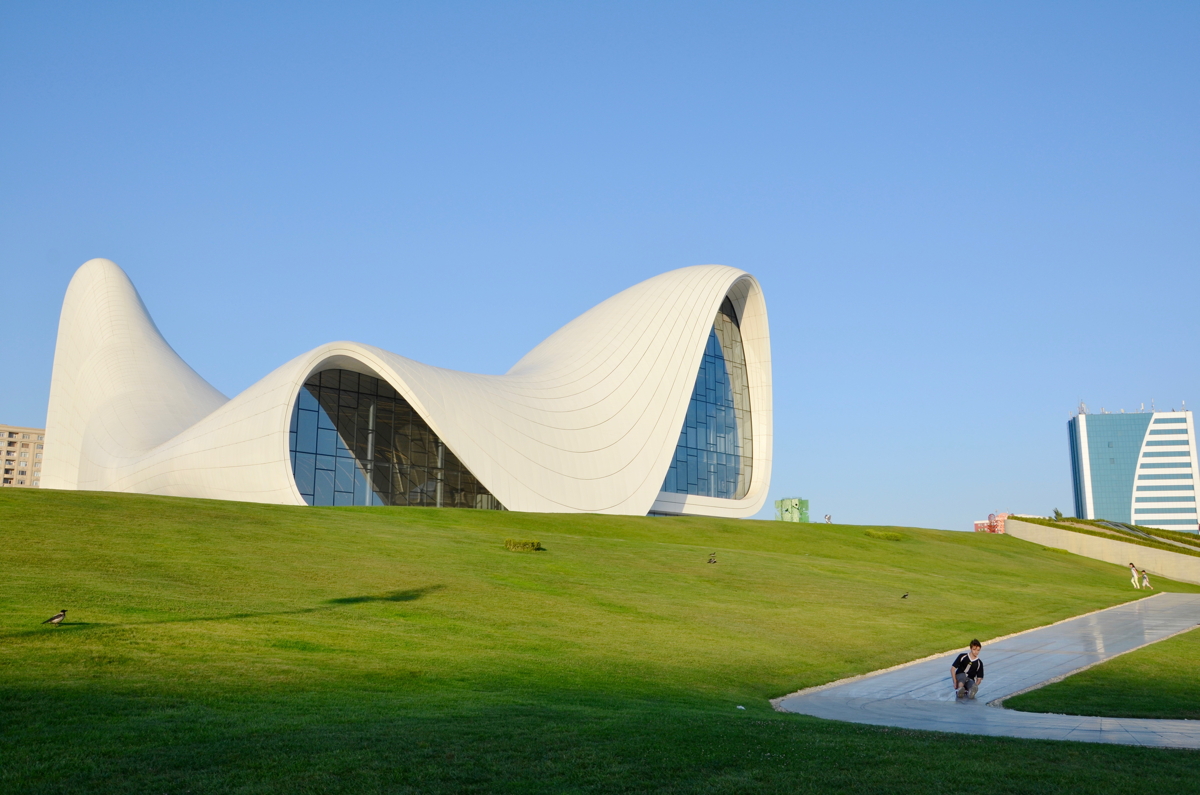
[586, 421]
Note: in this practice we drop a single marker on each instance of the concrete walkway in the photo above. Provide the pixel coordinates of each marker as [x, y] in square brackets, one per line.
[918, 695]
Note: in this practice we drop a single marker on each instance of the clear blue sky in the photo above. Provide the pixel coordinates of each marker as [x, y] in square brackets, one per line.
[965, 218]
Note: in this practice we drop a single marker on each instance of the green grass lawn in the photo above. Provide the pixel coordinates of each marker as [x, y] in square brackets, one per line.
[228, 647]
[1158, 681]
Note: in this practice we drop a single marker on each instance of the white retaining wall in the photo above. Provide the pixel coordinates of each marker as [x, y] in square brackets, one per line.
[1184, 568]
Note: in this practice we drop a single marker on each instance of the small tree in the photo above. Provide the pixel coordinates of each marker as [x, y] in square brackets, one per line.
[1057, 515]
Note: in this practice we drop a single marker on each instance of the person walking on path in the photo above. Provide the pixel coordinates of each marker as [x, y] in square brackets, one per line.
[1133, 570]
[1146, 580]
[966, 672]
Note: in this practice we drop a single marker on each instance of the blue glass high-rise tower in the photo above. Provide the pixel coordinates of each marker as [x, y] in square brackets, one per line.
[1135, 468]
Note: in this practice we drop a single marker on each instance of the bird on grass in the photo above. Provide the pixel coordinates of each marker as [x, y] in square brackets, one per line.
[905, 595]
[712, 558]
[57, 618]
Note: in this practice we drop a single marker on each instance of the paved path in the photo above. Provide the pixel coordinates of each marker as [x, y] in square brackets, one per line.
[918, 695]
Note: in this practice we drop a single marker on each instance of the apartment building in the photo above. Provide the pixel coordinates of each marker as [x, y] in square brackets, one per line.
[24, 450]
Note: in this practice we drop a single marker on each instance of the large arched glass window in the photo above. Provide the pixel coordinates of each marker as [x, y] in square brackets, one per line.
[356, 441]
[716, 444]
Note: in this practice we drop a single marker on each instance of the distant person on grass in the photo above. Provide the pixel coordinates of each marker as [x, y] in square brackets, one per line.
[1146, 580]
[966, 673]
[1134, 572]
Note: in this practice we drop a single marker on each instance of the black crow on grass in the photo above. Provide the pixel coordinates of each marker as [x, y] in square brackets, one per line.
[57, 618]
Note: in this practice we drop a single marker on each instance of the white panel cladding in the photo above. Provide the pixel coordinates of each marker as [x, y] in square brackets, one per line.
[586, 421]
[1085, 463]
[1154, 513]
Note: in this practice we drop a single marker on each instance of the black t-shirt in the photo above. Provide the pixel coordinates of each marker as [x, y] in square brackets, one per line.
[973, 668]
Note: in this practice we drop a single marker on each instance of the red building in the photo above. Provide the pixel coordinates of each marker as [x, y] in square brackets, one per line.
[993, 524]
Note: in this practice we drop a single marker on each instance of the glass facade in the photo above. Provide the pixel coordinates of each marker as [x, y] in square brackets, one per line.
[1114, 442]
[356, 441]
[1128, 461]
[715, 451]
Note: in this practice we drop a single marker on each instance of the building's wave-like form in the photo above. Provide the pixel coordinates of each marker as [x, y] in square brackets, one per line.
[587, 421]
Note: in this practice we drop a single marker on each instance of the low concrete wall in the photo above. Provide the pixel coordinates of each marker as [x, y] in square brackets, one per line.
[1183, 568]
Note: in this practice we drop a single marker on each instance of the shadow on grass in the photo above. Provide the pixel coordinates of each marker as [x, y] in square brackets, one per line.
[409, 595]
[68, 626]
[587, 738]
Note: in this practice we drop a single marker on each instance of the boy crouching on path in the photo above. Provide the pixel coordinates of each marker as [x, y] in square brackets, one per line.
[966, 673]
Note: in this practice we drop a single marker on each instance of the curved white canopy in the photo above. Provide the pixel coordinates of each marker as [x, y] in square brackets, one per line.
[586, 421]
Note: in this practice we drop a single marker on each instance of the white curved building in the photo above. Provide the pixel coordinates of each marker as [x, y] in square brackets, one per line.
[658, 400]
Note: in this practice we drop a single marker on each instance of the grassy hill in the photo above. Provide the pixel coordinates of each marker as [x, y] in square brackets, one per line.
[228, 647]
